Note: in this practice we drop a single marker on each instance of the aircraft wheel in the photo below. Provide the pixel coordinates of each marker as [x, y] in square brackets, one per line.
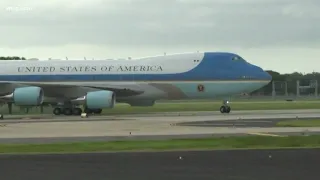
[222, 109]
[56, 111]
[77, 111]
[88, 111]
[228, 109]
[97, 111]
[225, 109]
[67, 111]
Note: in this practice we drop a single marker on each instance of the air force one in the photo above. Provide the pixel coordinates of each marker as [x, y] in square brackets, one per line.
[99, 84]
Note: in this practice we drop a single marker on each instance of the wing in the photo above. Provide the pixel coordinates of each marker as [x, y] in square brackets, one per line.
[64, 91]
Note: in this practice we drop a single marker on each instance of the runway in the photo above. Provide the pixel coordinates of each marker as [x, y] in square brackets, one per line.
[291, 164]
[15, 129]
[184, 165]
[245, 123]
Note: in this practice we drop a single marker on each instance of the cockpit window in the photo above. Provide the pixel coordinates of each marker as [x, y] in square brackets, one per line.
[236, 58]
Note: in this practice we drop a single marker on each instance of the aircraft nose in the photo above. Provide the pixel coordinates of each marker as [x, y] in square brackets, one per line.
[267, 76]
[260, 74]
[263, 75]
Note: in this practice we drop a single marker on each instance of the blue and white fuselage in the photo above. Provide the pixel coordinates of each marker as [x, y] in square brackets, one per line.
[101, 83]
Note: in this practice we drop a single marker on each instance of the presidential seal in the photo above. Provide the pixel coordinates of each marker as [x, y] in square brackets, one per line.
[200, 88]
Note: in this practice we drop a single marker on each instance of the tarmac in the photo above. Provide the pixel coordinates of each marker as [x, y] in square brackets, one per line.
[245, 123]
[49, 129]
[220, 165]
[285, 164]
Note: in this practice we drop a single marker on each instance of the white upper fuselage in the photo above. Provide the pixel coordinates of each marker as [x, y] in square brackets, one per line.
[168, 76]
[170, 64]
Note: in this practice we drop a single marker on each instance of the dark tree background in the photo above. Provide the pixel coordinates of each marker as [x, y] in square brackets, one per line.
[12, 58]
[291, 80]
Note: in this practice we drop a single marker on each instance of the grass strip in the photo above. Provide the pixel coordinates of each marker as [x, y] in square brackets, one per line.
[180, 144]
[212, 106]
[122, 108]
[299, 123]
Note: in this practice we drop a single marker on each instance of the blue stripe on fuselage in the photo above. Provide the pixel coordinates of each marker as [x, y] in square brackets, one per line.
[218, 88]
[214, 66]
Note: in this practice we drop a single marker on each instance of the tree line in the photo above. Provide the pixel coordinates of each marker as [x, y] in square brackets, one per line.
[291, 81]
[12, 58]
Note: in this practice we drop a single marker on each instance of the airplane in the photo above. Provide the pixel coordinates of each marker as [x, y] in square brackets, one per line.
[100, 84]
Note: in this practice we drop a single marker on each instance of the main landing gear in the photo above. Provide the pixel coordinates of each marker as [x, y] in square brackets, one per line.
[75, 111]
[67, 111]
[225, 108]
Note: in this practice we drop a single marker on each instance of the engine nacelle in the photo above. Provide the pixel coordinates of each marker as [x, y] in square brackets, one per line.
[28, 96]
[100, 99]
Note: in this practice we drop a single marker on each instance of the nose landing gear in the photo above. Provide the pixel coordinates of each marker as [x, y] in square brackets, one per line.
[225, 108]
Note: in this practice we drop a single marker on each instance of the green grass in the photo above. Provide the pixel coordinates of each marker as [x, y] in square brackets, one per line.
[194, 106]
[204, 143]
[300, 123]
[213, 106]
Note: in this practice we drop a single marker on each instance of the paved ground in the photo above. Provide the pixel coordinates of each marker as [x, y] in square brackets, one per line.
[220, 165]
[186, 113]
[156, 126]
[244, 123]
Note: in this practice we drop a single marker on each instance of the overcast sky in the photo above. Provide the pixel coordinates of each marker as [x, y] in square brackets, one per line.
[282, 35]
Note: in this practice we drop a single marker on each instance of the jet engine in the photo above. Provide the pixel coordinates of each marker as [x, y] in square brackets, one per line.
[100, 99]
[28, 96]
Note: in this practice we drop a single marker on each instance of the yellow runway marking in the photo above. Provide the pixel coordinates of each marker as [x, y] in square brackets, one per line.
[265, 134]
